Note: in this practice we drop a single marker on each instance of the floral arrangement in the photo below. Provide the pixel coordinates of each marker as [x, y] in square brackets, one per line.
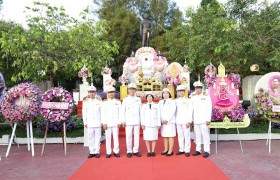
[235, 114]
[123, 79]
[131, 65]
[235, 79]
[210, 75]
[57, 94]
[106, 70]
[264, 104]
[173, 81]
[55, 126]
[22, 102]
[145, 50]
[160, 63]
[83, 72]
[209, 79]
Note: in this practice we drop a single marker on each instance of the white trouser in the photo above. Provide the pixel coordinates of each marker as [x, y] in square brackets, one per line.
[202, 129]
[128, 133]
[184, 139]
[94, 135]
[108, 133]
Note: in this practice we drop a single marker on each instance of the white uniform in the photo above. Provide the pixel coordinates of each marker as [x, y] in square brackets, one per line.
[131, 110]
[202, 111]
[183, 116]
[111, 111]
[150, 118]
[167, 113]
[92, 118]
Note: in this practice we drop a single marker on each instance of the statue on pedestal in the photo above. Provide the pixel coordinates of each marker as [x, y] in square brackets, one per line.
[145, 31]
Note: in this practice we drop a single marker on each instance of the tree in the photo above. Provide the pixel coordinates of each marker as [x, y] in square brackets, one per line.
[56, 45]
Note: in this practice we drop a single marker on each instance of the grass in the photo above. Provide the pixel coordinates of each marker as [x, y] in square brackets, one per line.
[255, 127]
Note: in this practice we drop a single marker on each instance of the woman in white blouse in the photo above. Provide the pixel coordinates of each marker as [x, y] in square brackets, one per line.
[150, 122]
[167, 116]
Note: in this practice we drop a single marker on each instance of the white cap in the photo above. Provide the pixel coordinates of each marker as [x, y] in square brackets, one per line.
[166, 90]
[91, 88]
[198, 84]
[111, 89]
[181, 88]
[132, 86]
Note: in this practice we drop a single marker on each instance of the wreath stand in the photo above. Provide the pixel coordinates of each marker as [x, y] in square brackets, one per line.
[29, 132]
[269, 134]
[226, 125]
[217, 135]
[63, 138]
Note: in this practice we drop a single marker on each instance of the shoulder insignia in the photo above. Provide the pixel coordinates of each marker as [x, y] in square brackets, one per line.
[85, 99]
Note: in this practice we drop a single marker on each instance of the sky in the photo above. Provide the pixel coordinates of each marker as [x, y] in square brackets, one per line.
[14, 9]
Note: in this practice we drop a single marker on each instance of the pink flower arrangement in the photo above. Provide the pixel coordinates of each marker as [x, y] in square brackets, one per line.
[235, 79]
[209, 79]
[57, 94]
[22, 102]
[123, 79]
[173, 81]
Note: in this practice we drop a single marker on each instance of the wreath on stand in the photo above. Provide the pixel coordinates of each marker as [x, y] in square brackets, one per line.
[22, 102]
[59, 95]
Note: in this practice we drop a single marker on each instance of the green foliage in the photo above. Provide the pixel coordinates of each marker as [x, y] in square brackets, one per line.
[56, 45]
[217, 34]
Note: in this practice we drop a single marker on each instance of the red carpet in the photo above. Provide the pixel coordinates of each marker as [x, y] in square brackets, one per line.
[148, 168]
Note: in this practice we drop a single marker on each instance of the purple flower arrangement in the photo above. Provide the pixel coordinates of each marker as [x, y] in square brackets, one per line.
[210, 79]
[83, 72]
[57, 94]
[55, 126]
[264, 105]
[235, 114]
[235, 79]
[22, 102]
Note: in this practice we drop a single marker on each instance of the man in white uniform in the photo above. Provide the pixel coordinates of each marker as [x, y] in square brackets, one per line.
[183, 121]
[110, 118]
[131, 111]
[92, 121]
[202, 111]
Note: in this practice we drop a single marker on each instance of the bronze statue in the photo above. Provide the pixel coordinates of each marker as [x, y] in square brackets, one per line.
[145, 31]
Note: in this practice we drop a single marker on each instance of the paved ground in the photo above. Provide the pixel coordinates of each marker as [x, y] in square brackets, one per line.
[255, 163]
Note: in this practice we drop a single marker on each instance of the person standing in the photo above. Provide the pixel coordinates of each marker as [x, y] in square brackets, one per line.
[150, 122]
[111, 121]
[92, 121]
[202, 111]
[167, 116]
[131, 110]
[183, 121]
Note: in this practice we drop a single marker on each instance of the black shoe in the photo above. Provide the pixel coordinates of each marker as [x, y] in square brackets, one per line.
[179, 153]
[149, 154]
[153, 154]
[137, 154]
[196, 153]
[91, 155]
[164, 153]
[187, 154]
[108, 155]
[129, 155]
[97, 155]
[117, 155]
[206, 155]
[169, 154]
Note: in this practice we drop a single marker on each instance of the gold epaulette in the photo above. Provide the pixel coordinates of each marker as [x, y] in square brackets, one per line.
[85, 99]
[205, 94]
[99, 98]
[105, 100]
